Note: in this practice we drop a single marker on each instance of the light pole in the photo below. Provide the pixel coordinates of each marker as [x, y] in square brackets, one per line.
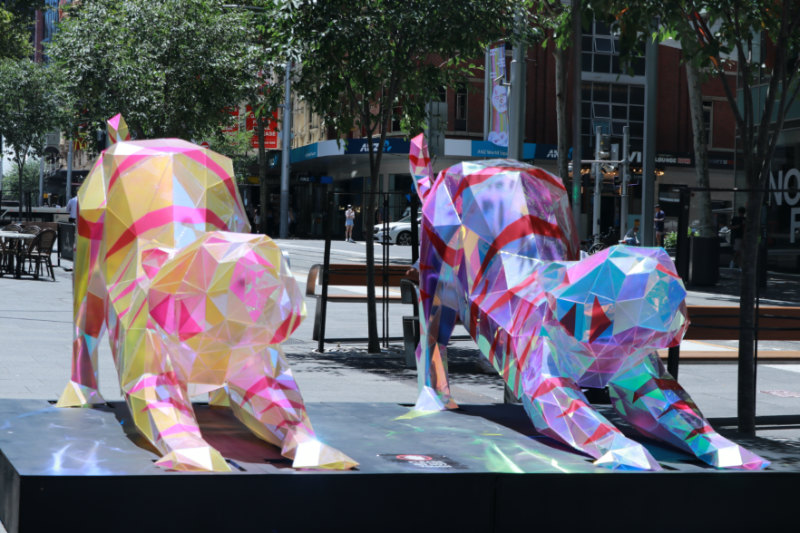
[287, 151]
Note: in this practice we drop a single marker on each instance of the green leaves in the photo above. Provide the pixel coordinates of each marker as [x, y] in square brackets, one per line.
[169, 67]
[360, 59]
[30, 104]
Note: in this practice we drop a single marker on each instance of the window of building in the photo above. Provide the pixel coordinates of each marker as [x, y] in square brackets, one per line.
[461, 108]
[397, 117]
[611, 107]
[708, 114]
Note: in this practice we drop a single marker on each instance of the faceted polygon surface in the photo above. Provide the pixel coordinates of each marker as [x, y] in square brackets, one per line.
[499, 251]
[192, 303]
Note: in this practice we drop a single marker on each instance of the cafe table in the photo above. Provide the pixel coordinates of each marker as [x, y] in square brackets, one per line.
[17, 245]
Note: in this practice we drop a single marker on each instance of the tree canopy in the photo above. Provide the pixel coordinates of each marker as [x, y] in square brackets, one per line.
[169, 67]
[362, 64]
[14, 39]
[30, 107]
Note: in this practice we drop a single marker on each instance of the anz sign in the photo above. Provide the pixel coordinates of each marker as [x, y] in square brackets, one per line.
[390, 146]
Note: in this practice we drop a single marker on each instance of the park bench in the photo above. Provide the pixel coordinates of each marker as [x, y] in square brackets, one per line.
[352, 275]
[710, 323]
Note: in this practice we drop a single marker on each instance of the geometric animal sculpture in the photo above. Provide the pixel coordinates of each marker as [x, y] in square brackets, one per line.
[191, 303]
[499, 251]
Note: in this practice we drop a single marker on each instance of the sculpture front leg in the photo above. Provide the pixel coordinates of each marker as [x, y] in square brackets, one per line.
[265, 397]
[653, 401]
[559, 409]
[163, 413]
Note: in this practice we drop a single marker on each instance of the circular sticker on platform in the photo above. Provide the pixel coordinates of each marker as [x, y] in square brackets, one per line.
[407, 457]
[422, 461]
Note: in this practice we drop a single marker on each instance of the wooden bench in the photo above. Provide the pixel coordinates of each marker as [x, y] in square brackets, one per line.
[352, 275]
[710, 323]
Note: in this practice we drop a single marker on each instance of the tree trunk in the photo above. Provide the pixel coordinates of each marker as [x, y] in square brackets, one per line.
[262, 175]
[561, 114]
[21, 158]
[373, 344]
[747, 298]
[700, 140]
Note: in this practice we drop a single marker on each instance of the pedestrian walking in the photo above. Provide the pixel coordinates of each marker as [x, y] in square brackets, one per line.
[349, 222]
[72, 209]
[658, 223]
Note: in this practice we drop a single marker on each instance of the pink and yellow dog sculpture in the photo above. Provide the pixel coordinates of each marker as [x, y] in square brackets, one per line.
[191, 302]
[499, 252]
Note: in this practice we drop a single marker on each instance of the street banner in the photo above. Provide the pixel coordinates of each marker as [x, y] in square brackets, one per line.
[498, 133]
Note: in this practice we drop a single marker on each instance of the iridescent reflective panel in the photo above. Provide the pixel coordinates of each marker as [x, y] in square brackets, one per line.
[192, 304]
[499, 251]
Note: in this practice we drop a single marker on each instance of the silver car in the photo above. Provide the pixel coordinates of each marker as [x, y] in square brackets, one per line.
[399, 231]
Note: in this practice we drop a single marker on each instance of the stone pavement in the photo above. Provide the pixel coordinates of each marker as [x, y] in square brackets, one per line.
[35, 339]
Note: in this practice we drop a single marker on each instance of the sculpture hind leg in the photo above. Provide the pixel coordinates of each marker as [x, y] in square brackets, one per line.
[653, 401]
[558, 408]
[90, 302]
[265, 397]
[438, 318]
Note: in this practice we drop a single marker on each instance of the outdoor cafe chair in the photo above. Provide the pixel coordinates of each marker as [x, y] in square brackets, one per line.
[5, 256]
[13, 227]
[31, 230]
[38, 253]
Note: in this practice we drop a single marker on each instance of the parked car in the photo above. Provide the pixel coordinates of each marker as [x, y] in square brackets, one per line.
[399, 231]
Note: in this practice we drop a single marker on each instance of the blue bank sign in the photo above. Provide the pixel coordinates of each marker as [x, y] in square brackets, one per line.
[390, 146]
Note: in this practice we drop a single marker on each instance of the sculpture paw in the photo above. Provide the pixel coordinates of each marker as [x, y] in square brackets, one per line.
[429, 400]
[735, 457]
[77, 395]
[199, 459]
[314, 454]
[630, 457]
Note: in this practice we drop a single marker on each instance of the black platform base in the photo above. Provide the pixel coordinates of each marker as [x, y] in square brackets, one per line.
[481, 468]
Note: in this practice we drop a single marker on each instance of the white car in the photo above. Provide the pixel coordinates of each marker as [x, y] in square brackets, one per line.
[399, 231]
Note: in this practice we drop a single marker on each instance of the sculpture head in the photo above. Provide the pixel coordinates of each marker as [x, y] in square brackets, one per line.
[615, 307]
[225, 294]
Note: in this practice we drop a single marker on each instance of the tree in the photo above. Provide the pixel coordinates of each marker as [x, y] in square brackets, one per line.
[709, 33]
[14, 39]
[554, 17]
[359, 61]
[30, 180]
[170, 67]
[31, 98]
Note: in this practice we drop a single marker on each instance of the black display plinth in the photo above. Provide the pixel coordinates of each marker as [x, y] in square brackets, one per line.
[481, 468]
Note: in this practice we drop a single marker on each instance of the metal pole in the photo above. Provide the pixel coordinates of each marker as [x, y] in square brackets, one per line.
[287, 152]
[70, 152]
[516, 101]
[598, 183]
[326, 265]
[40, 199]
[577, 149]
[625, 201]
[649, 148]
[487, 94]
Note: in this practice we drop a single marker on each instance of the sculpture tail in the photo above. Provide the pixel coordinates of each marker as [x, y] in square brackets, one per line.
[419, 162]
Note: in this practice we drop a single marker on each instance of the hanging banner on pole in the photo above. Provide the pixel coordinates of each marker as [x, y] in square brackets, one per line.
[498, 133]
